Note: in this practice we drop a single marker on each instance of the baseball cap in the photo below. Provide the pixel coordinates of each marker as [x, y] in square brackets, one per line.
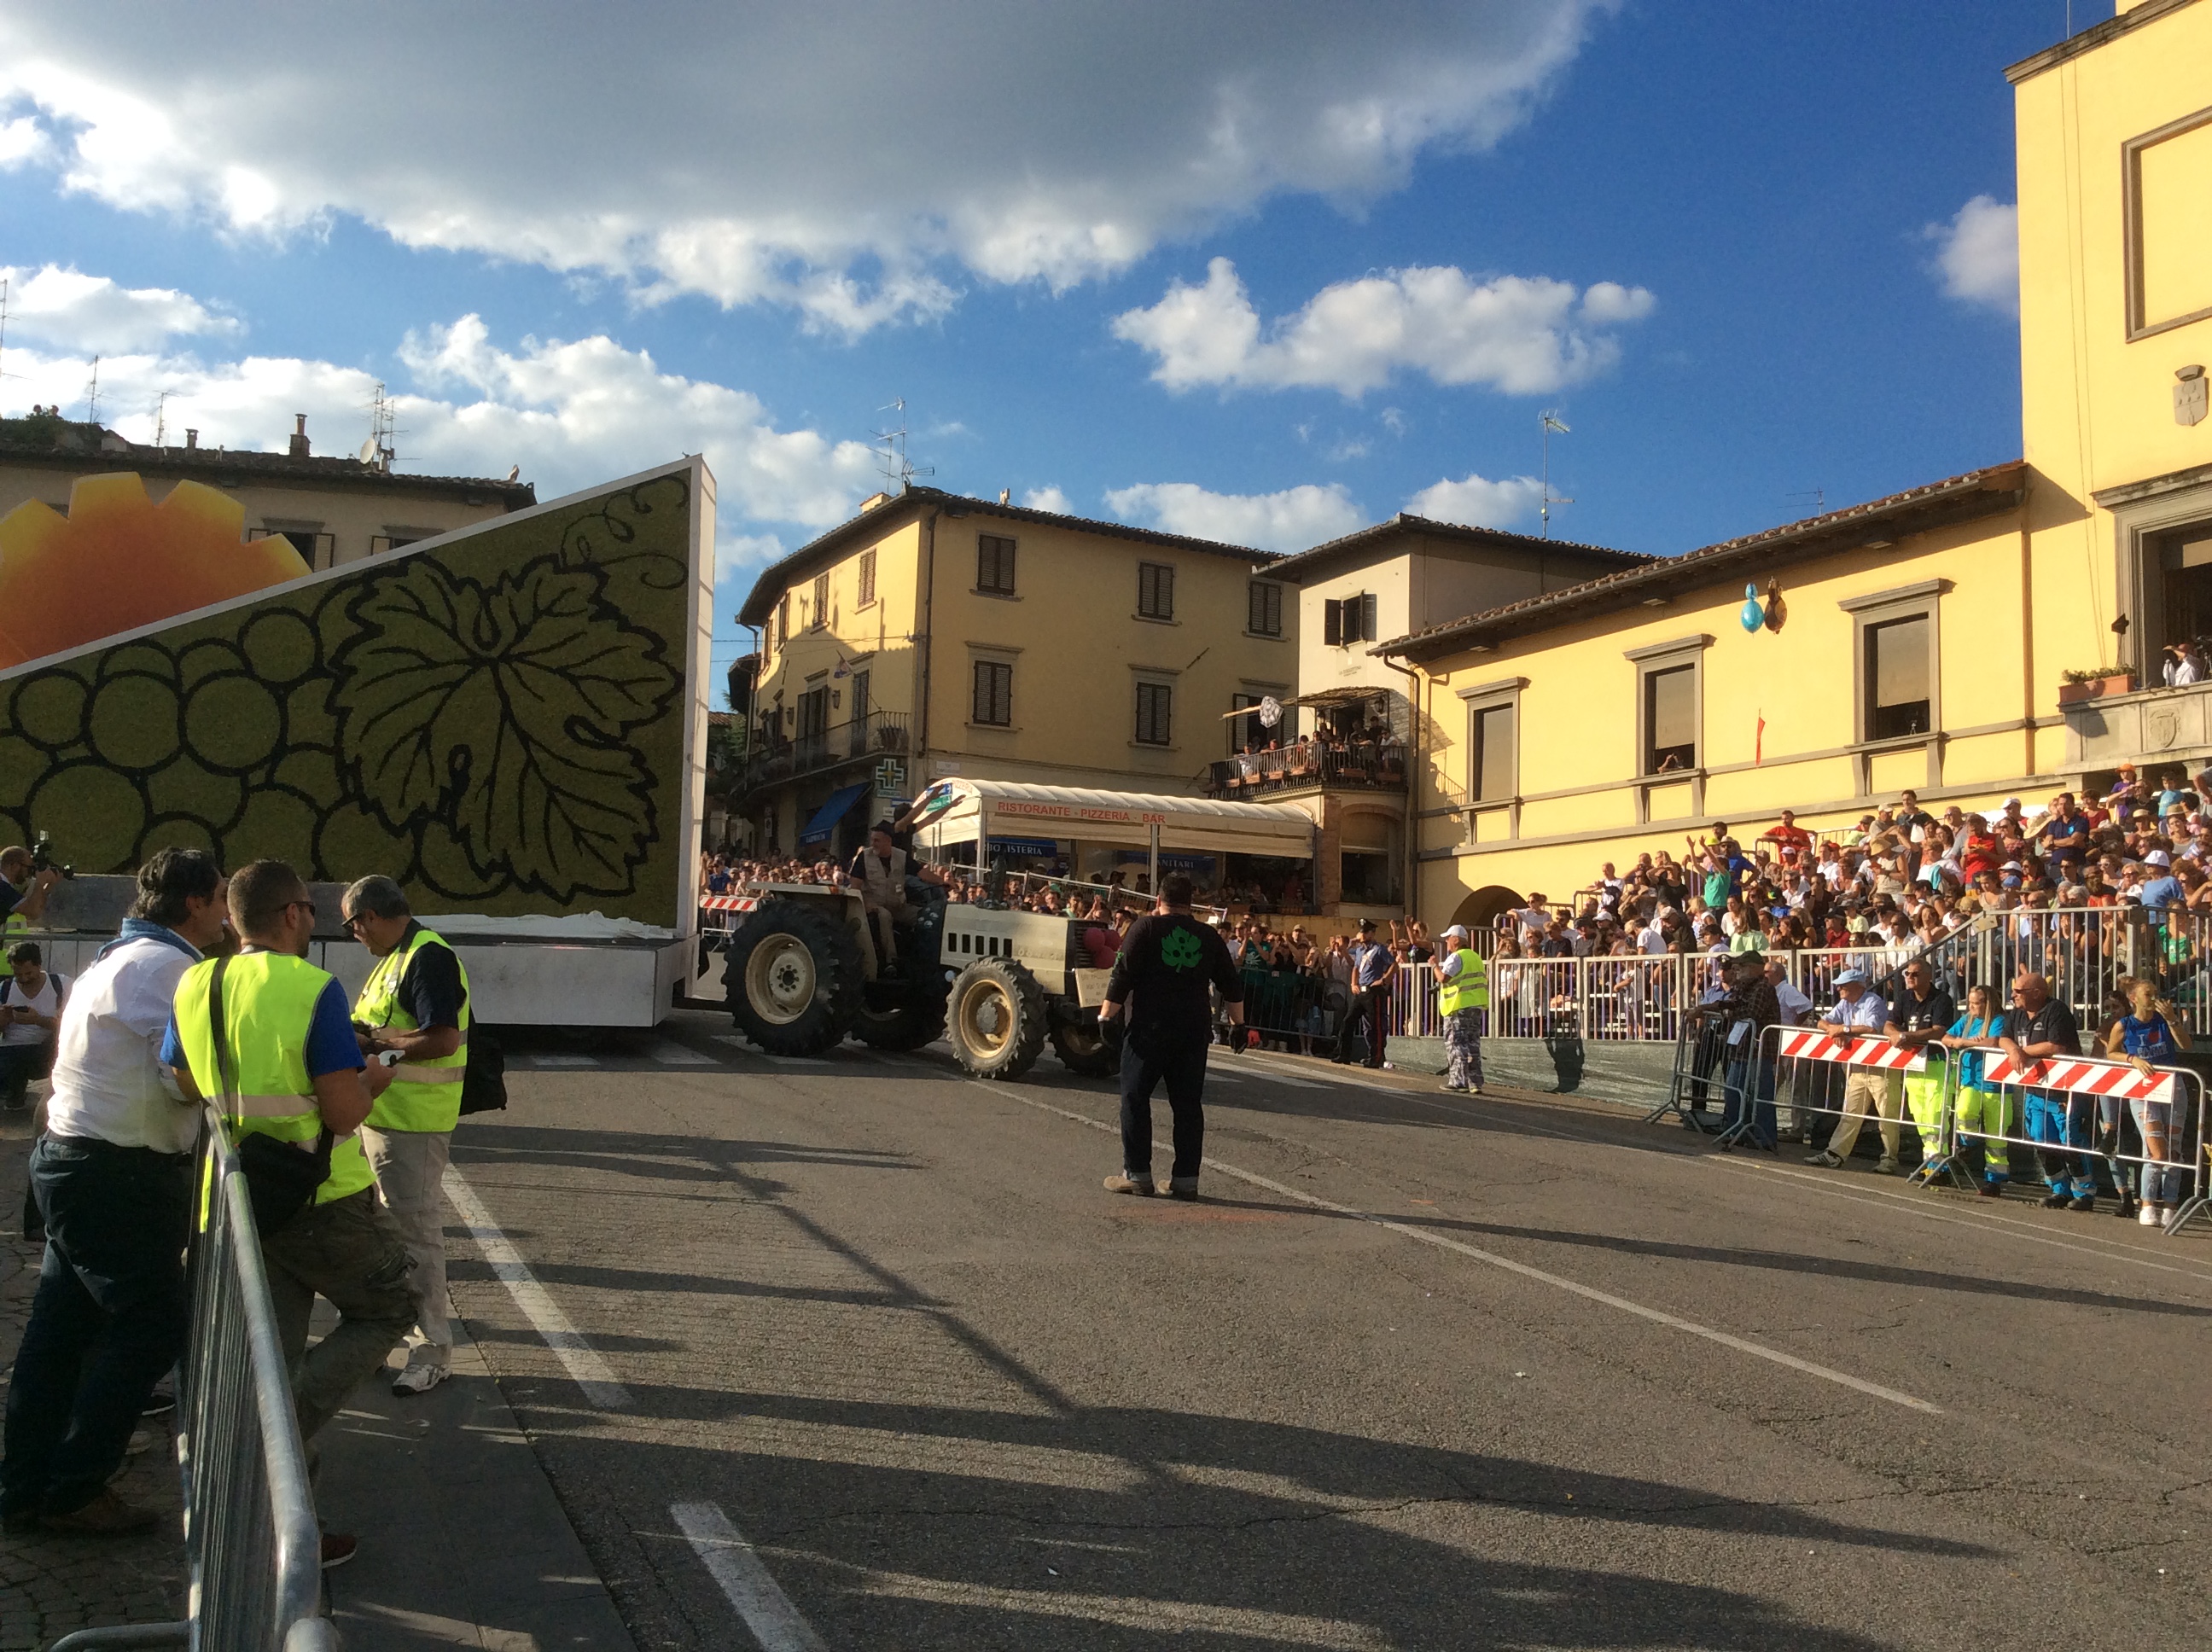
[1459, 930]
[1852, 977]
[2158, 857]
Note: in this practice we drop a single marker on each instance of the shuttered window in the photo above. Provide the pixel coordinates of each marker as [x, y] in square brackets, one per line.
[868, 578]
[994, 693]
[995, 564]
[1492, 769]
[820, 616]
[1349, 621]
[1670, 718]
[1155, 704]
[1264, 608]
[1155, 591]
[1897, 678]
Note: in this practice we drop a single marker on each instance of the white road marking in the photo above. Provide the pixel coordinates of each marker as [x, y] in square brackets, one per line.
[1591, 1293]
[670, 1054]
[738, 1039]
[544, 1059]
[1272, 1075]
[734, 1565]
[747, 1045]
[583, 1362]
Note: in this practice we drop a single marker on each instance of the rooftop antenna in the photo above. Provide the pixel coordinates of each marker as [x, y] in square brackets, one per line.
[897, 471]
[92, 395]
[3, 323]
[1551, 421]
[161, 419]
[378, 450]
[1818, 496]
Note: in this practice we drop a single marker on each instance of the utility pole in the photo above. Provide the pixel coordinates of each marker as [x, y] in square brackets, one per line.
[1551, 421]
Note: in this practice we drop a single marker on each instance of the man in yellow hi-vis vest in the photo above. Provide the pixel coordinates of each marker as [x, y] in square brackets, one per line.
[1462, 996]
[414, 1005]
[298, 1071]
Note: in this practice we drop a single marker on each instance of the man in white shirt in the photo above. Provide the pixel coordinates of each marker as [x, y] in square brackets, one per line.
[112, 1175]
[1860, 1012]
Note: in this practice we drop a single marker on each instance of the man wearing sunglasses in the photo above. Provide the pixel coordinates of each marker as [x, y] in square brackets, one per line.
[414, 1005]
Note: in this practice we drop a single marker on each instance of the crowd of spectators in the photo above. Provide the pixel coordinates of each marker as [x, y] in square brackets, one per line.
[1903, 876]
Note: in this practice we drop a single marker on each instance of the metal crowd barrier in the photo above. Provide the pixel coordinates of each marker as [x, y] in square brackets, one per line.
[252, 1547]
[2102, 1095]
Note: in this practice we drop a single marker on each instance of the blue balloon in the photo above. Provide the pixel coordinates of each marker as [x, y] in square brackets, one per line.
[1752, 616]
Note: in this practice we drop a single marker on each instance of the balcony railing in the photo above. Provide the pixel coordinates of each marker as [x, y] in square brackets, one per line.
[879, 734]
[1361, 765]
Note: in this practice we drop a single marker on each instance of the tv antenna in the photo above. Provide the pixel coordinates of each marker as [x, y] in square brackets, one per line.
[161, 419]
[92, 395]
[1818, 496]
[378, 450]
[898, 471]
[1550, 422]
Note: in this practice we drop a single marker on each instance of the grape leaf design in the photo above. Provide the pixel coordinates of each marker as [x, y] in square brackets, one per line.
[1179, 948]
[501, 711]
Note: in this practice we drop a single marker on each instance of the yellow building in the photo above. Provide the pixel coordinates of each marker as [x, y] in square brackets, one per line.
[333, 509]
[1918, 640]
[935, 636]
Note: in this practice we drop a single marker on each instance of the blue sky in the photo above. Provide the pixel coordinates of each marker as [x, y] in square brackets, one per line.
[1267, 274]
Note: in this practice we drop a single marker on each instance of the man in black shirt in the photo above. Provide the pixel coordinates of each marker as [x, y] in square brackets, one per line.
[1920, 1013]
[2037, 1028]
[1168, 961]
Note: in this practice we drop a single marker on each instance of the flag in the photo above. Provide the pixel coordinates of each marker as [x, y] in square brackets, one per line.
[1759, 742]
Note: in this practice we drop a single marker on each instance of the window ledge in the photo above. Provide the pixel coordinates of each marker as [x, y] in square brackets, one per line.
[1264, 636]
[994, 728]
[996, 596]
[1151, 746]
[1156, 619]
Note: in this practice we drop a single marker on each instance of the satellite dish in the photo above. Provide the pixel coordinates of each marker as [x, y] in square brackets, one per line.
[1270, 711]
[367, 453]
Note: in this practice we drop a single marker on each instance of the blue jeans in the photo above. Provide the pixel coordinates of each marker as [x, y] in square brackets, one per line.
[1184, 1071]
[109, 1316]
[2058, 1119]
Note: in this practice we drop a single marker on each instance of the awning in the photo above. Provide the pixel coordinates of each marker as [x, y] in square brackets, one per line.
[824, 823]
[963, 811]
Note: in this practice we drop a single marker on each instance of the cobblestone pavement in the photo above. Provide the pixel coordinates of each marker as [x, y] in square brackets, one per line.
[51, 1585]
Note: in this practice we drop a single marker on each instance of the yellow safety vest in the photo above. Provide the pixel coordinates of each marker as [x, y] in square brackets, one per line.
[268, 1004]
[425, 1095]
[1468, 990]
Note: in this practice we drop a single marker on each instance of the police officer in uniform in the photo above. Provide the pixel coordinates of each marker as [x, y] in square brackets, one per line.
[1462, 996]
[298, 1071]
[414, 1004]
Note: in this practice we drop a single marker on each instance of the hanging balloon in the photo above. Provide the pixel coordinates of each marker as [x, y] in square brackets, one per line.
[1776, 611]
[1752, 616]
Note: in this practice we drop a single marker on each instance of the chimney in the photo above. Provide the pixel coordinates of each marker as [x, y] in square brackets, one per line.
[191, 438]
[299, 435]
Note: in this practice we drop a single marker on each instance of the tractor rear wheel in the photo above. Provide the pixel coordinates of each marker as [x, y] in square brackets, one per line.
[1081, 1048]
[795, 978]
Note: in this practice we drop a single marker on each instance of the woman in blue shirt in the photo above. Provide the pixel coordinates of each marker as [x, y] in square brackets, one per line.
[2147, 1038]
[1984, 1114]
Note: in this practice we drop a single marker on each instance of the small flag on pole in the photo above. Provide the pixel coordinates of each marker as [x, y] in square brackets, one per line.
[1759, 742]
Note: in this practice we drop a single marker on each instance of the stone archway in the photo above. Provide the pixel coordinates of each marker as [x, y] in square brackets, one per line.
[1487, 906]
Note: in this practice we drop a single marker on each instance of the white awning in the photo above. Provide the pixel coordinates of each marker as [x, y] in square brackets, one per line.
[963, 811]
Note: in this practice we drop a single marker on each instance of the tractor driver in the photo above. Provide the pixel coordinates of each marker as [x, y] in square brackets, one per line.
[879, 872]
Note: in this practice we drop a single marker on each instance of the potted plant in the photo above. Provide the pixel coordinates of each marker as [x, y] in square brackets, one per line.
[2094, 683]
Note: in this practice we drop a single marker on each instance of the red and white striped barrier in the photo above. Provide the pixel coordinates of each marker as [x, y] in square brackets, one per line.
[728, 902]
[2080, 1077]
[1811, 1044]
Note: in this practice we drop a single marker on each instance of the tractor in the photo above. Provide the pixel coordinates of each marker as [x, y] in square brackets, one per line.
[803, 971]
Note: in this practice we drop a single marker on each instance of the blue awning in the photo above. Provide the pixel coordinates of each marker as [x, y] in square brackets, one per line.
[819, 829]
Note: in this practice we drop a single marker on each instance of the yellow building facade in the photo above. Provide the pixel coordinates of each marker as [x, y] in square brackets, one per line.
[935, 636]
[1918, 641]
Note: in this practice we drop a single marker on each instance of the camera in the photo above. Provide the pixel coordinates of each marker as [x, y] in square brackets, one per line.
[42, 857]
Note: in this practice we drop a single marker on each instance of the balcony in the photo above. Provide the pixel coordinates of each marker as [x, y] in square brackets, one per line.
[2157, 726]
[862, 739]
[1356, 766]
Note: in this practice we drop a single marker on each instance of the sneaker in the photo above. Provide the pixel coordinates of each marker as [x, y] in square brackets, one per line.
[2056, 1200]
[337, 1549]
[1118, 1183]
[2086, 1202]
[105, 1515]
[1455, 1090]
[1474, 1090]
[420, 1378]
[2128, 1207]
[1886, 1166]
[1186, 1191]
[1825, 1159]
[2151, 1217]
[1992, 1189]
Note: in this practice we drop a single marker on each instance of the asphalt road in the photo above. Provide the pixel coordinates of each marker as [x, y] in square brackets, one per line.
[858, 1355]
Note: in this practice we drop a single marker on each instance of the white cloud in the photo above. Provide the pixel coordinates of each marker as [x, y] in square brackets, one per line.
[571, 414]
[1978, 254]
[1292, 520]
[852, 161]
[78, 311]
[1519, 334]
[1478, 503]
[1048, 498]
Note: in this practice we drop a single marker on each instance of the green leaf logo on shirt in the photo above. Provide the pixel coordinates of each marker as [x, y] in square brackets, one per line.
[1179, 948]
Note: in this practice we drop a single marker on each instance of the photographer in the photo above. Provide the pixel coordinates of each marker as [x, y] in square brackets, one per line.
[24, 885]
